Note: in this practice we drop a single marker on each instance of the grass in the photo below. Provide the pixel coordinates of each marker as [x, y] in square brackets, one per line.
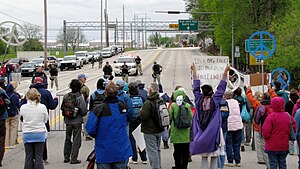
[8, 56]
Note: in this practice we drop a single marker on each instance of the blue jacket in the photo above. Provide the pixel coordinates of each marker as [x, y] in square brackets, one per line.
[143, 93]
[5, 114]
[122, 96]
[14, 99]
[112, 142]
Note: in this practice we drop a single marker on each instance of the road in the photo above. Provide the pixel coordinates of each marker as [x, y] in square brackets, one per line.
[176, 71]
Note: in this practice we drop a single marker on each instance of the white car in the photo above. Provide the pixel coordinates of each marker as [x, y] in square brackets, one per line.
[39, 62]
[70, 61]
[82, 55]
[130, 62]
[107, 52]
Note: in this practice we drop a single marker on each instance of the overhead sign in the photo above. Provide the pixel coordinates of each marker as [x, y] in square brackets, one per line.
[210, 69]
[262, 47]
[255, 43]
[281, 75]
[173, 26]
[188, 25]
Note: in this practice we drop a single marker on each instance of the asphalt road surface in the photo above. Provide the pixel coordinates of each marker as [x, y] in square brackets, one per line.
[176, 71]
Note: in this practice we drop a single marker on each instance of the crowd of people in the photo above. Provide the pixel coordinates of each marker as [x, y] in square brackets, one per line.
[121, 114]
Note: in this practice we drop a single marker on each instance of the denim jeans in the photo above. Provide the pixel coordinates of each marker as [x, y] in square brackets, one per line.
[114, 165]
[34, 155]
[233, 146]
[298, 143]
[277, 159]
[165, 134]
[221, 158]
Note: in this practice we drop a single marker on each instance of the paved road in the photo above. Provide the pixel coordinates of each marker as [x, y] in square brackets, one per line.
[176, 71]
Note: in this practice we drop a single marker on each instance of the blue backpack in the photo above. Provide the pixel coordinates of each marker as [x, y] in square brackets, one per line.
[137, 103]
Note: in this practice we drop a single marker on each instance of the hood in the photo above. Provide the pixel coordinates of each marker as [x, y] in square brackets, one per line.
[153, 96]
[177, 93]
[38, 85]
[277, 104]
[10, 88]
[240, 99]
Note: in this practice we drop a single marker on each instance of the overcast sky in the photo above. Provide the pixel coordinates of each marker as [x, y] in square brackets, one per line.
[85, 10]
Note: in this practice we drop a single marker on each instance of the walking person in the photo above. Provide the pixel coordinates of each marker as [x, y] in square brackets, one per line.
[276, 131]
[107, 70]
[53, 75]
[107, 124]
[180, 134]
[234, 133]
[40, 73]
[34, 116]
[93, 61]
[100, 61]
[138, 62]
[17, 72]
[73, 109]
[206, 125]
[12, 121]
[157, 69]
[150, 128]
[3, 117]
[125, 72]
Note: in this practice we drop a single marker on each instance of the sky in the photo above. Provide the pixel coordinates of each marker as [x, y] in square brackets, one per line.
[32, 11]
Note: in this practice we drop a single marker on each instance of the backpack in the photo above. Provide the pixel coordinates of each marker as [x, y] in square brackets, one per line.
[3, 104]
[12, 109]
[161, 115]
[244, 113]
[137, 103]
[183, 118]
[268, 110]
[69, 108]
[98, 99]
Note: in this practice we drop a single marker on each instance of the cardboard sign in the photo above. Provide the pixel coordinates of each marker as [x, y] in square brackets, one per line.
[139, 138]
[256, 79]
[210, 69]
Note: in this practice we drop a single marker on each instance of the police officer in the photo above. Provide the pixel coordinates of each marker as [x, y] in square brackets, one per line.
[125, 72]
[157, 69]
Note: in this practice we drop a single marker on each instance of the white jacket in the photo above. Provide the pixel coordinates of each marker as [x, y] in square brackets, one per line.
[34, 117]
[234, 120]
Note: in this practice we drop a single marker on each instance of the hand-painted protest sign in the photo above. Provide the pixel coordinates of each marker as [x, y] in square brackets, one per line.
[210, 69]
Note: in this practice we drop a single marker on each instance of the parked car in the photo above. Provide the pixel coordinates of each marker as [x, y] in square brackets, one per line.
[130, 62]
[91, 54]
[39, 62]
[14, 61]
[83, 55]
[98, 54]
[114, 49]
[28, 69]
[120, 49]
[58, 61]
[70, 61]
[107, 52]
[52, 60]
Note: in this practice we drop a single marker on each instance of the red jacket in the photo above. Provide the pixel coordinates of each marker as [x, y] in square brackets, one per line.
[276, 129]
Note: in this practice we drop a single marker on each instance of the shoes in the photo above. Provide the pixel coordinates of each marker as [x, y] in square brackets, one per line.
[190, 158]
[46, 162]
[263, 163]
[75, 162]
[66, 160]
[166, 146]
[134, 162]
[145, 162]
[229, 164]
[242, 148]
[238, 165]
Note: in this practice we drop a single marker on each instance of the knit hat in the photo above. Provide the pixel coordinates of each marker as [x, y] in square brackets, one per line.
[207, 90]
[38, 80]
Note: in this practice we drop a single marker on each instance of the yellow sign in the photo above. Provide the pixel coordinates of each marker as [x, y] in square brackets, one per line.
[253, 61]
[173, 26]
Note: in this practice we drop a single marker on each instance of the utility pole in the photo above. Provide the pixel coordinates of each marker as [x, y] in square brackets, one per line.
[123, 26]
[101, 27]
[142, 26]
[116, 31]
[65, 37]
[146, 30]
[78, 38]
[106, 25]
[232, 44]
[46, 34]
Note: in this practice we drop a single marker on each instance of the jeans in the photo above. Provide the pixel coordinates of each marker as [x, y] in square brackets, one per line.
[72, 148]
[134, 150]
[114, 165]
[181, 155]
[233, 146]
[221, 158]
[277, 160]
[34, 155]
[165, 134]
[2, 139]
[153, 149]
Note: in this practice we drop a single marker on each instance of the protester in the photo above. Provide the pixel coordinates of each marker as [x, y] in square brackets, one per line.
[276, 131]
[125, 72]
[157, 69]
[9, 70]
[93, 60]
[280, 92]
[3, 117]
[180, 137]
[257, 102]
[234, 133]
[100, 61]
[74, 124]
[53, 75]
[12, 121]
[107, 123]
[34, 116]
[142, 92]
[137, 103]
[40, 73]
[297, 119]
[50, 103]
[152, 132]
[107, 70]
[206, 126]
[139, 64]
[97, 97]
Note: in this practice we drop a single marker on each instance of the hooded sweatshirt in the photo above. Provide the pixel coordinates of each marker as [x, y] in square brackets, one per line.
[283, 94]
[179, 135]
[296, 107]
[14, 107]
[276, 128]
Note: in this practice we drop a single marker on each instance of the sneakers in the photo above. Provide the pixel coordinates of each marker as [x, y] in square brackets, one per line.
[46, 162]
[75, 162]
[229, 164]
[145, 162]
[66, 160]
[238, 165]
[242, 148]
[134, 162]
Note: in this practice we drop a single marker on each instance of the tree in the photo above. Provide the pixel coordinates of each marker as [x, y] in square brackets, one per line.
[155, 39]
[33, 44]
[74, 36]
[33, 31]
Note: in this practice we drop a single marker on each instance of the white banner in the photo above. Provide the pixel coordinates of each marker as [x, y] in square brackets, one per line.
[210, 69]
[139, 138]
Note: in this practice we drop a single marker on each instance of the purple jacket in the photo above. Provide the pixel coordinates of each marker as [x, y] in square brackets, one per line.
[207, 141]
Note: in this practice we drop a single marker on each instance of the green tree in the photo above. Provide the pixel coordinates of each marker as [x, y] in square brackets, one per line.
[33, 45]
[155, 39]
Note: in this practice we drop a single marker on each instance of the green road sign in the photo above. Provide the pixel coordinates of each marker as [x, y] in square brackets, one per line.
[256, 42]
[188, 25]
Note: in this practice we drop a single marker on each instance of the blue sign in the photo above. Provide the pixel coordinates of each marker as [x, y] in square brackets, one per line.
[283, 77]
[262, 48]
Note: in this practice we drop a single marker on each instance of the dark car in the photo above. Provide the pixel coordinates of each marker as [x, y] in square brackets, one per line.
[14, 61]
[28, 69]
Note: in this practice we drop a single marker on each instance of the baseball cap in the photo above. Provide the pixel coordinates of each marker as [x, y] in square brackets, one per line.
[120, 83]
[38, 80]
[82, 76]
[139, 82]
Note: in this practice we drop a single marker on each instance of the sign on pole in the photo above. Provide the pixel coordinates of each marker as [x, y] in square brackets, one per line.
[210, 69]
[188, 25]
[281, 75]
[255, 43]
[173, 26]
